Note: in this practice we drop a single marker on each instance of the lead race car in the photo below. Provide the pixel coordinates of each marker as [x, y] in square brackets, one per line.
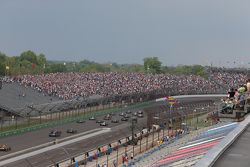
[4, 147]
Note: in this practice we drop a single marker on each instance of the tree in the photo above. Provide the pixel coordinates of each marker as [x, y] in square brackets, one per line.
[95, 68]
[53, 68]
[199, 70]
[29, 56]
[41, 60]
[185, 69]
[84, 63]
[152, 65]
[2, 63]
[2, 57]
[2, 68]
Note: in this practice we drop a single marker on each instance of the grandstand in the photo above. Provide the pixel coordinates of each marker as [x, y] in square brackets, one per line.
[23, 101]
[16, 96]
[186, 151]
[38, 95]
[16, 99]
[30, 100]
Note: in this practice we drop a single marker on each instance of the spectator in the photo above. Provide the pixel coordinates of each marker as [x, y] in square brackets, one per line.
[74, 85]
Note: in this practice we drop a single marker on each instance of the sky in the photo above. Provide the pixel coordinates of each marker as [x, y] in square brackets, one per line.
[188, 32]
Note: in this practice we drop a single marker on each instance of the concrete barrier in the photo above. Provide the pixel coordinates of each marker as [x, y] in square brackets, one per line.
[193, 96]
[212, 155]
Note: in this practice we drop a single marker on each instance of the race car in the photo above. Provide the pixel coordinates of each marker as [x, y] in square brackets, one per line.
[126, 116]
[55, 133]
[80, 121]
[99, 121]
[128, 112]
[114, 121]
[72, 131]
[124, 119]
[121, 114]
[107, 117]
[92, 118]
[4, 147]
[140, 115]
[103, 124]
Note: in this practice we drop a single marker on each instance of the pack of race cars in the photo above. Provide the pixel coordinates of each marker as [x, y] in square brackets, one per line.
[125, 116]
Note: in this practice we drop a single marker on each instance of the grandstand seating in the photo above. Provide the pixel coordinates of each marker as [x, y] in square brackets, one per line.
[11, 95]
[14, 98]
[168, 149]
[36, 88]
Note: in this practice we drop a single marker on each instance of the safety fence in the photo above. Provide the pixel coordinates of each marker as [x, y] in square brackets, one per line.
[124, 150]
[75, 115]
[118, 151]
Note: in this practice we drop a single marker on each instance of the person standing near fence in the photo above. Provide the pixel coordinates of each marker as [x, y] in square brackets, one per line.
[123, 159]
[126, 159]
[114, 163]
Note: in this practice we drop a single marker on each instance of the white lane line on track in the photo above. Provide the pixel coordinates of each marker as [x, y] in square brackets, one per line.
[222, 126]
[201, 142]
[46, 144]
[206, 138]
[102, 130]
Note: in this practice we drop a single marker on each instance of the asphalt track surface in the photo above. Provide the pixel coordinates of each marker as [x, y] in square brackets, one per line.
[238, 154]
[31, 139]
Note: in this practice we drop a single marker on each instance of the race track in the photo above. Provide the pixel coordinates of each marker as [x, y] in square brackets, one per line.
[31, 139]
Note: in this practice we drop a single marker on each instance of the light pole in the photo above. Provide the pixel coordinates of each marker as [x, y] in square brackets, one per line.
[107, 154]
[194, 111]
[16, 121]
[117, 153]
[140, 140]
[157, 118]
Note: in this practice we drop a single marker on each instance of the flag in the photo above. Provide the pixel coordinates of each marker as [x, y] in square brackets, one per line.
[171, 100]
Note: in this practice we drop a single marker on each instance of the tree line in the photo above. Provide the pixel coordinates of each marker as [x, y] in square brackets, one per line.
[31, 63]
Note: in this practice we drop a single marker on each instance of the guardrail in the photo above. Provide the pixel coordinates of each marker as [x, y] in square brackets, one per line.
[193, 96]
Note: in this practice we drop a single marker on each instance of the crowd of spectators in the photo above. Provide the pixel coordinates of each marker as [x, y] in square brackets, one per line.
[72, 85]
[229, 78]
